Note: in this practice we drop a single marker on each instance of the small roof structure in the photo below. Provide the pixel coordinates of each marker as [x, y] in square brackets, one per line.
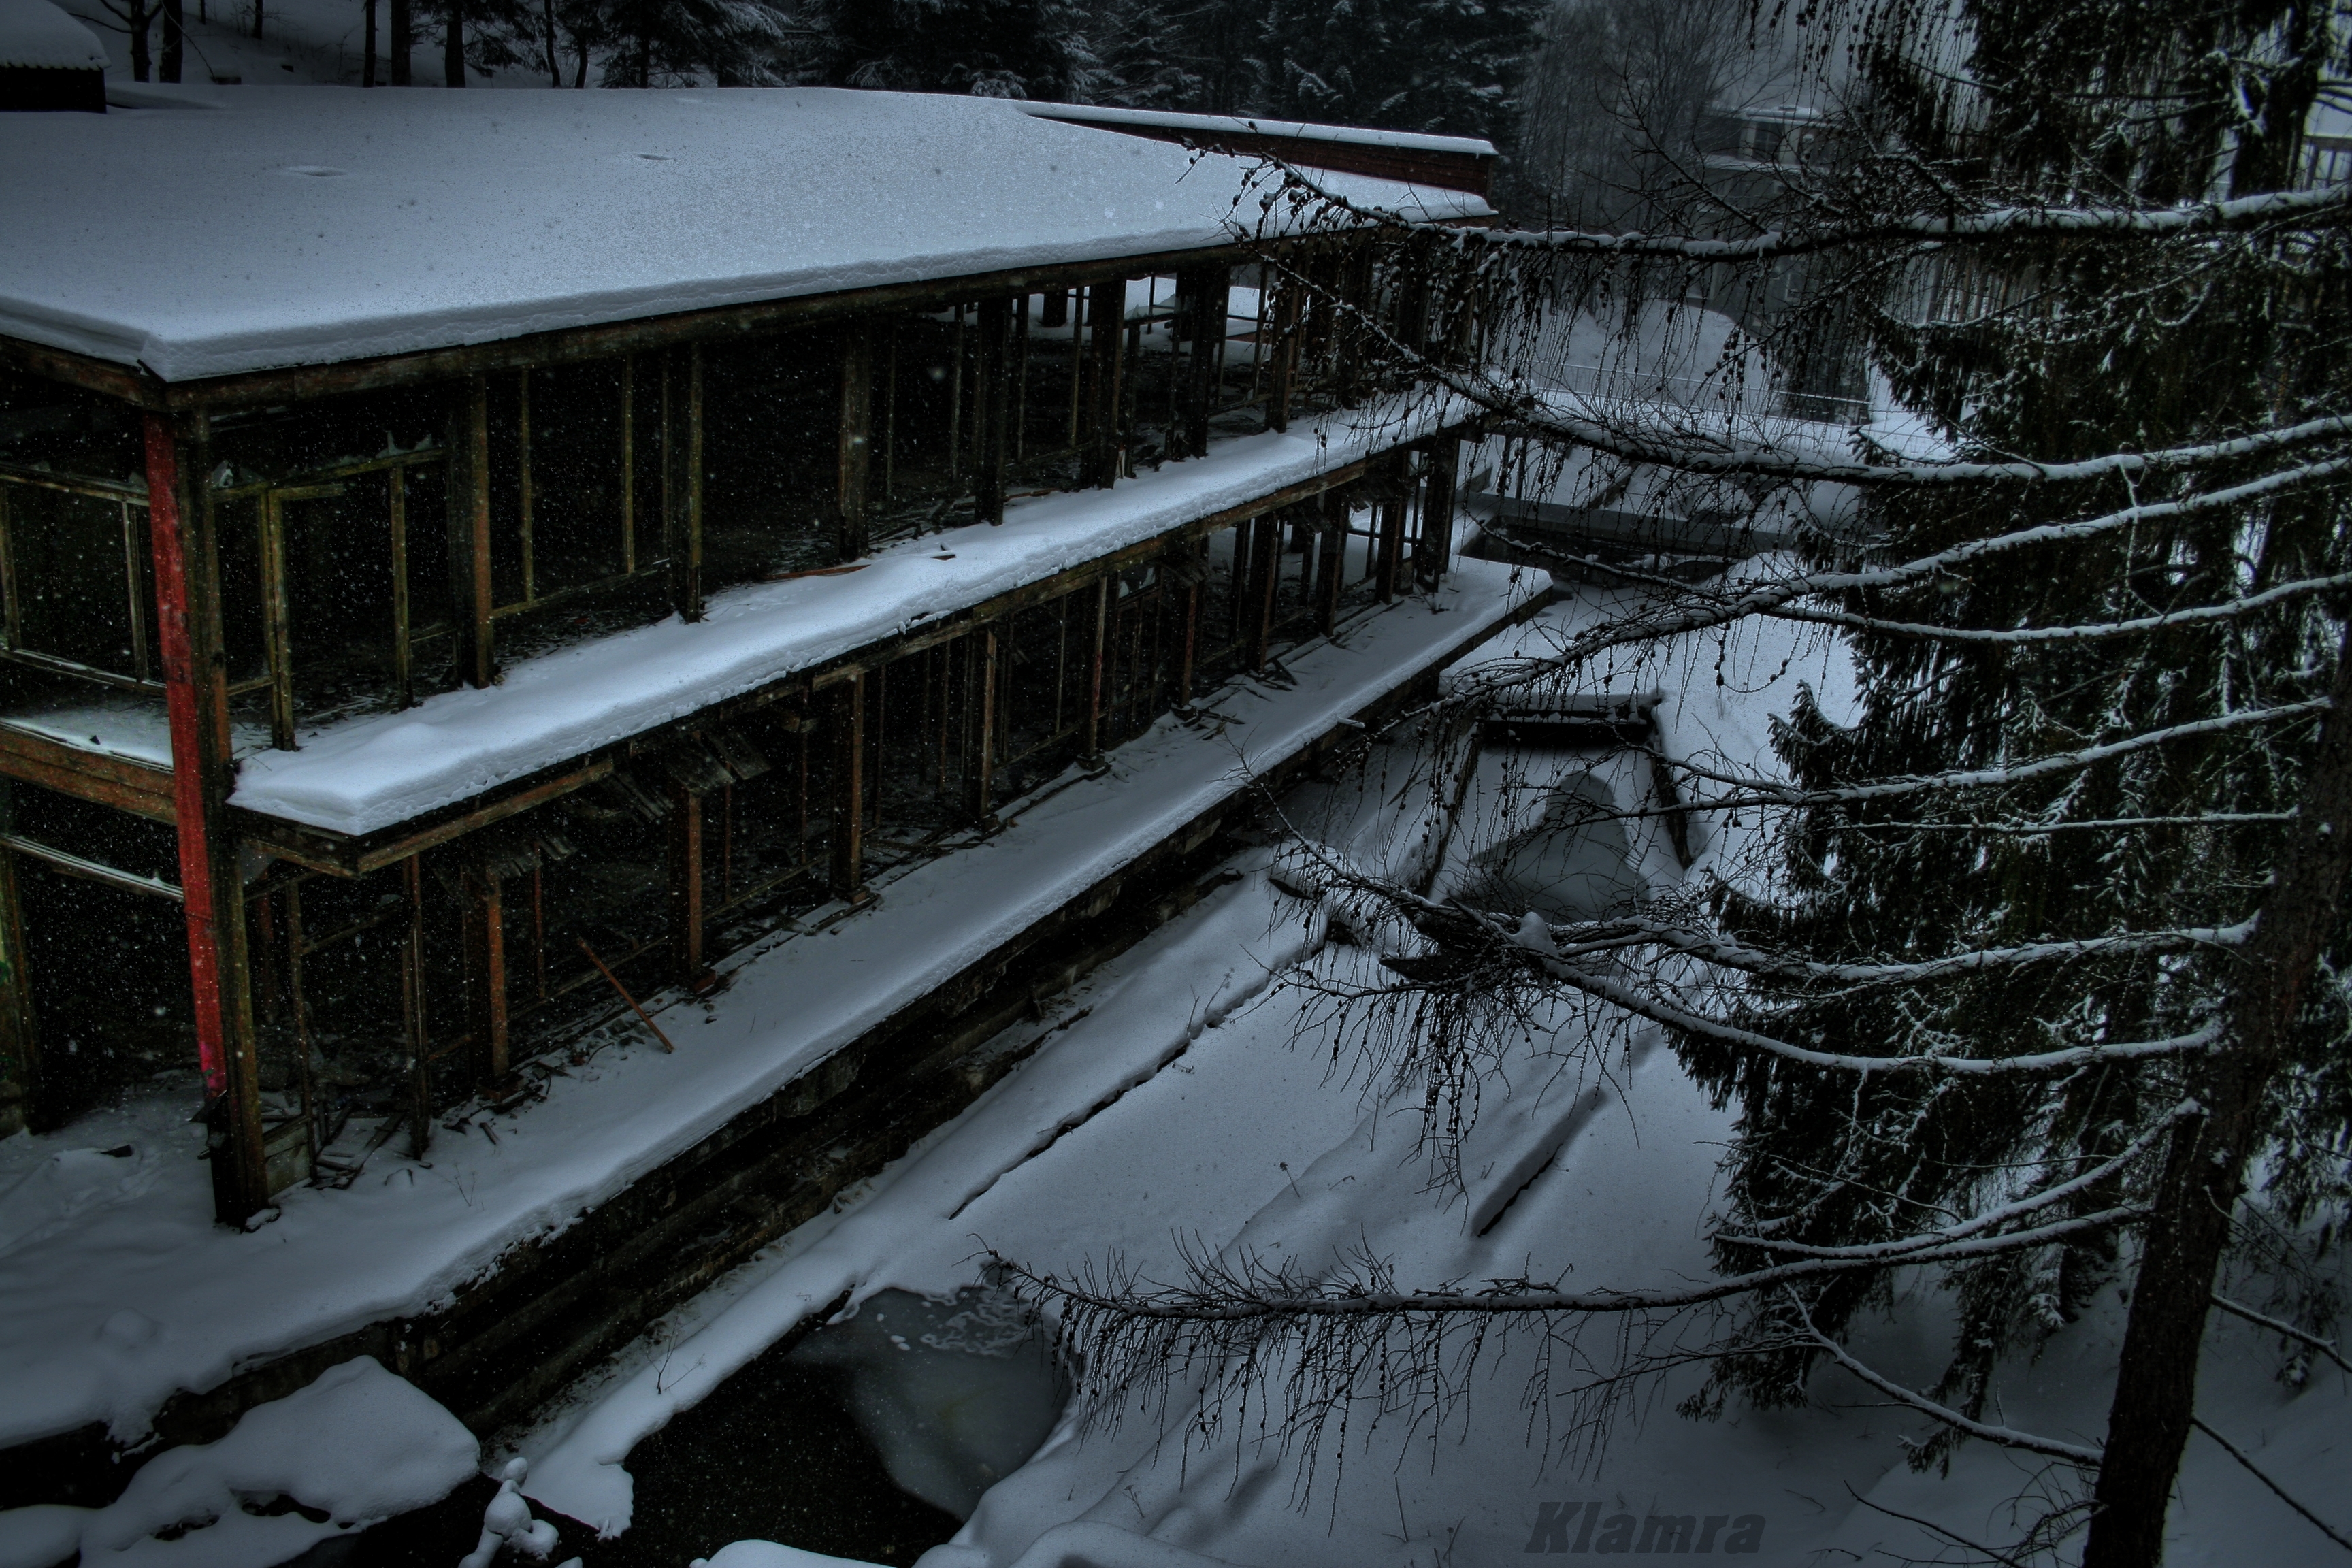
[302, 226]
[37, 36]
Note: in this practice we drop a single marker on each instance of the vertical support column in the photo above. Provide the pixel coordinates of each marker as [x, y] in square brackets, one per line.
[412, 1010]
[1390, 516]
[195, 684]
[20, 1058]
[1265, 559]
[1091, 737]
[1188, 649]
[1106, 343]
[486, 974]
[404, 653]
[992, 406]
[470, 536]
[1206, 293]
[848, 735]
[276, 639]
[1282, 374]
[682, 478]
[684, 860]
[856, 435]
[1334, 505]
[983, 765]
[1436, 548]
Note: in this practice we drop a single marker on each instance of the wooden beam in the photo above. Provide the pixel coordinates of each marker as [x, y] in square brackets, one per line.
[1266, 564]
[682, 478]
[1389, 521]
[1204, 294]
[1333, 503]
[141, 788]
[857, 459]
[983, 769]
[187, 602]
[277, 635]
[416, 1030]
[1282, 373]
[1189, 648]
[1091, 737]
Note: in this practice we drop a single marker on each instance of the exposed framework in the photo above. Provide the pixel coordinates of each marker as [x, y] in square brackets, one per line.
[312, 544]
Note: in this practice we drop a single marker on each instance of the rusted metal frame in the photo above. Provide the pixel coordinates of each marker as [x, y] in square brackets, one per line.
[1434, 549]
[486, 976]
[20, 1049]
[991, 406]
[1106, 342]
[345, 854]
[523, 485]
[469, 538]
[140, 788]
[1090, 746]
[413, 1022]
[403, 657]
[576, 590]
[72, 484]
[277, 634]
[609, 340]
[90, 871]
[187, 594]
[684, 862]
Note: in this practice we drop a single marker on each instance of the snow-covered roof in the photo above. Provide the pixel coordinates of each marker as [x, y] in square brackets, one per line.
[1209, 126]
[310, 225]
[37, 36]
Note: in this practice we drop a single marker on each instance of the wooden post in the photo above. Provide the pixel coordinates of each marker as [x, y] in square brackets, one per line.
[20, 1057]
[848, 726]
[984, 767]
[1090, 739]
[486, 975]
[991, 407]
[1106, 342]
[275, 638]
[1187, 650]
[682, 478]
[1266, 556]
[1206, 294]
[684, 862]
[856, 435]
[1282, 374]
[1389, 513]
[469, 540]
[412, 1010]
[1436, 547]
[403, 654]
[1334, 504]
[195, 686]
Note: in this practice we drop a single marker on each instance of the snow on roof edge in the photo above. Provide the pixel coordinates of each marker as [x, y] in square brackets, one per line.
[37, 36]
[1304, 130]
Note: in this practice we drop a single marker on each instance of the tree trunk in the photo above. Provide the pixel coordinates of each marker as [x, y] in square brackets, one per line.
[2205, 1165]
[257, 18]
[453, 46]
[554, 66]
[141, 18]
[367, 67]
[175, 41]
[404, 42]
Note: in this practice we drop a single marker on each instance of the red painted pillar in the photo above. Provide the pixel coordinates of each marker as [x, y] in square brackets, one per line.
[196, 703]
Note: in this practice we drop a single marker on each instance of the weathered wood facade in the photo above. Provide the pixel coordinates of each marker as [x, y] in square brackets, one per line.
[197, 572]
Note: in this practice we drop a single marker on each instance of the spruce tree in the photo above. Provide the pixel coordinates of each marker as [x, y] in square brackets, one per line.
[990, 48]
[1448, 67]
[2043, 973]
[1142, 60]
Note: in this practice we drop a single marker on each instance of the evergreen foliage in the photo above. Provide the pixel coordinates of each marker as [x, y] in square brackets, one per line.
[1448, 67]
[990, 48]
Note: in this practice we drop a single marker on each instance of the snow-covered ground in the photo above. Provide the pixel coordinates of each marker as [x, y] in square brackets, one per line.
[1194, 1103]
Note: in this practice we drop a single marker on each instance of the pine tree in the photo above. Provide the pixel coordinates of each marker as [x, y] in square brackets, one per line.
[990, 48]
[1142, 65]
[2044, 974]
[1449, 66]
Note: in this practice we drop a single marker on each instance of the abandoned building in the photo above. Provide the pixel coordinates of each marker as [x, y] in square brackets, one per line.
[463, 580]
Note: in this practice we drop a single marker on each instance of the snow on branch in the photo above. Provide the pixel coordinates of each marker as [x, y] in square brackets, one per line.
[2170, 620]
[2298, 209]
[1725, 954]
[2007, 1436]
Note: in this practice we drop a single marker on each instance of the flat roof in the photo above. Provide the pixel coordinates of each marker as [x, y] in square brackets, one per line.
[264, 228]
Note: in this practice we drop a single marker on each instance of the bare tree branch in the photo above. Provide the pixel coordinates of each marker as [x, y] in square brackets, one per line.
[2277, 1490]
